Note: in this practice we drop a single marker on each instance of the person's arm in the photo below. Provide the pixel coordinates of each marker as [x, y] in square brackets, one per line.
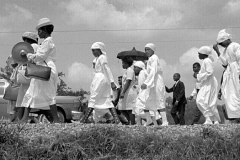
[151, 74]
[42, 53]
[222, 60]
[208, 70]
[236, 50]
[168, 90]
[130, 77]
[125, 87]
[103, 61]
[194, 93]
[181, 93]
[118, 95]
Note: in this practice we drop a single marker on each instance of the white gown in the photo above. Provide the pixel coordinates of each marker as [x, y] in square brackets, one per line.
[153, 98]
[207, 95]
[230, 85]
[24, 87]
[41, 94]
[129, 100]
[100, 90]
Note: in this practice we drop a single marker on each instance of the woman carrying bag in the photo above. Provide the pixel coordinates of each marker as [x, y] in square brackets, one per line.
[42, 94]
[24, 82]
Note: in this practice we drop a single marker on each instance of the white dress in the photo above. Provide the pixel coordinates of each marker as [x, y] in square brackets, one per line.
[41, 94]
[100, 90]
[230, 85]
[24, 87]
[207, 95]
[129, 100]
[153, 97]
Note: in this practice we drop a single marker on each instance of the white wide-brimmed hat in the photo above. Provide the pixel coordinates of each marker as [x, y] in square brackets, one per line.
[30, 35]
[43, 22]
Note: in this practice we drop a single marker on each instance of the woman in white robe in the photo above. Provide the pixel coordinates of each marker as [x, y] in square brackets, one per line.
[101, 88]
[230, 87]
[153, 87]
[32, 39]
[207, 95]
[42, 94]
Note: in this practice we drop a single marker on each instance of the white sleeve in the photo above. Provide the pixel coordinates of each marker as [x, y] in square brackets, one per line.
[207, 66]
[194, 92]
[151, 75]
[103, 62]
[43, 51]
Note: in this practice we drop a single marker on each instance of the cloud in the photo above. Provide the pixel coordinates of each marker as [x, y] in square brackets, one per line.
[233, 7]
[79, 76]
[119, 15]
[14, 14]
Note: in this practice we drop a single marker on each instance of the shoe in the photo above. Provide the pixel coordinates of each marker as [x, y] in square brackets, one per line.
[216, 122]
[148, 124]
[165, 124]
[208, 122]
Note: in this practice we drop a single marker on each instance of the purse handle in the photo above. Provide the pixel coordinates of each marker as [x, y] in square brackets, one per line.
[35, 63]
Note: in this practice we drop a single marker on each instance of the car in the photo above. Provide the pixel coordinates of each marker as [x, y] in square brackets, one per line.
[68, 107]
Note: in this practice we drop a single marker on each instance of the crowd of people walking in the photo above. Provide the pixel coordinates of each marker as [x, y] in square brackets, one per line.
[141, 90]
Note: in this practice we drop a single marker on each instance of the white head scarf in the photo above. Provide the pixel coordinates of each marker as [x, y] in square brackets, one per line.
[222, 36]
[151, 45]
[99, 45]
[205, 50]
[139, 64]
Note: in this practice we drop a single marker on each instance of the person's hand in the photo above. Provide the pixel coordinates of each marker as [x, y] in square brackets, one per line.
[190, 98]
[176, 103]
[143, 86]
[195, 75]
[121, 95]
[113, 86]
[215, 47]
[30, 57]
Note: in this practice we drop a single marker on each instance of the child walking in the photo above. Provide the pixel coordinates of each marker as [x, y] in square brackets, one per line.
[128, 94]
[207, 95]
[197, 114]
[103, 82]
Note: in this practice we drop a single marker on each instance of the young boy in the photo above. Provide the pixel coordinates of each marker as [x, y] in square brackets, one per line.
[121, 117]
[179, 100]
[207, 95]
[197, 113]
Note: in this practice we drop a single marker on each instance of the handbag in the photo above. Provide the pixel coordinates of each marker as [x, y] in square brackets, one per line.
[21, 79]
[37, 71]
[11, 92]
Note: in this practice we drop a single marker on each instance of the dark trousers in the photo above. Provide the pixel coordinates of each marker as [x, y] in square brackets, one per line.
[130, 117]
[197, 115]
[178, 118]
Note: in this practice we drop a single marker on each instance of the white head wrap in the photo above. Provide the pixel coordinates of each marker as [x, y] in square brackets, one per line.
[222, 36]
[151, 45]
[139, 64]
[205, 50]
[99, 45]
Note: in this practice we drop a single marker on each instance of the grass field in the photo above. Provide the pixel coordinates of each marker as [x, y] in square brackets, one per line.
[102, 141]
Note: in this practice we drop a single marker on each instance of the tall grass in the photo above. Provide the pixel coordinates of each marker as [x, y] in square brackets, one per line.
[120, 142]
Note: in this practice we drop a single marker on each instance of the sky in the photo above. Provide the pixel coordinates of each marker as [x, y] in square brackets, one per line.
[178, 28]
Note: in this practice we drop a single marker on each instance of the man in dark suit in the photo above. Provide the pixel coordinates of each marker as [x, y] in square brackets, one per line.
[179, 100]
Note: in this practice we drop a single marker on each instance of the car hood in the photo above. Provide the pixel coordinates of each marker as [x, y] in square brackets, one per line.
[67, 99]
